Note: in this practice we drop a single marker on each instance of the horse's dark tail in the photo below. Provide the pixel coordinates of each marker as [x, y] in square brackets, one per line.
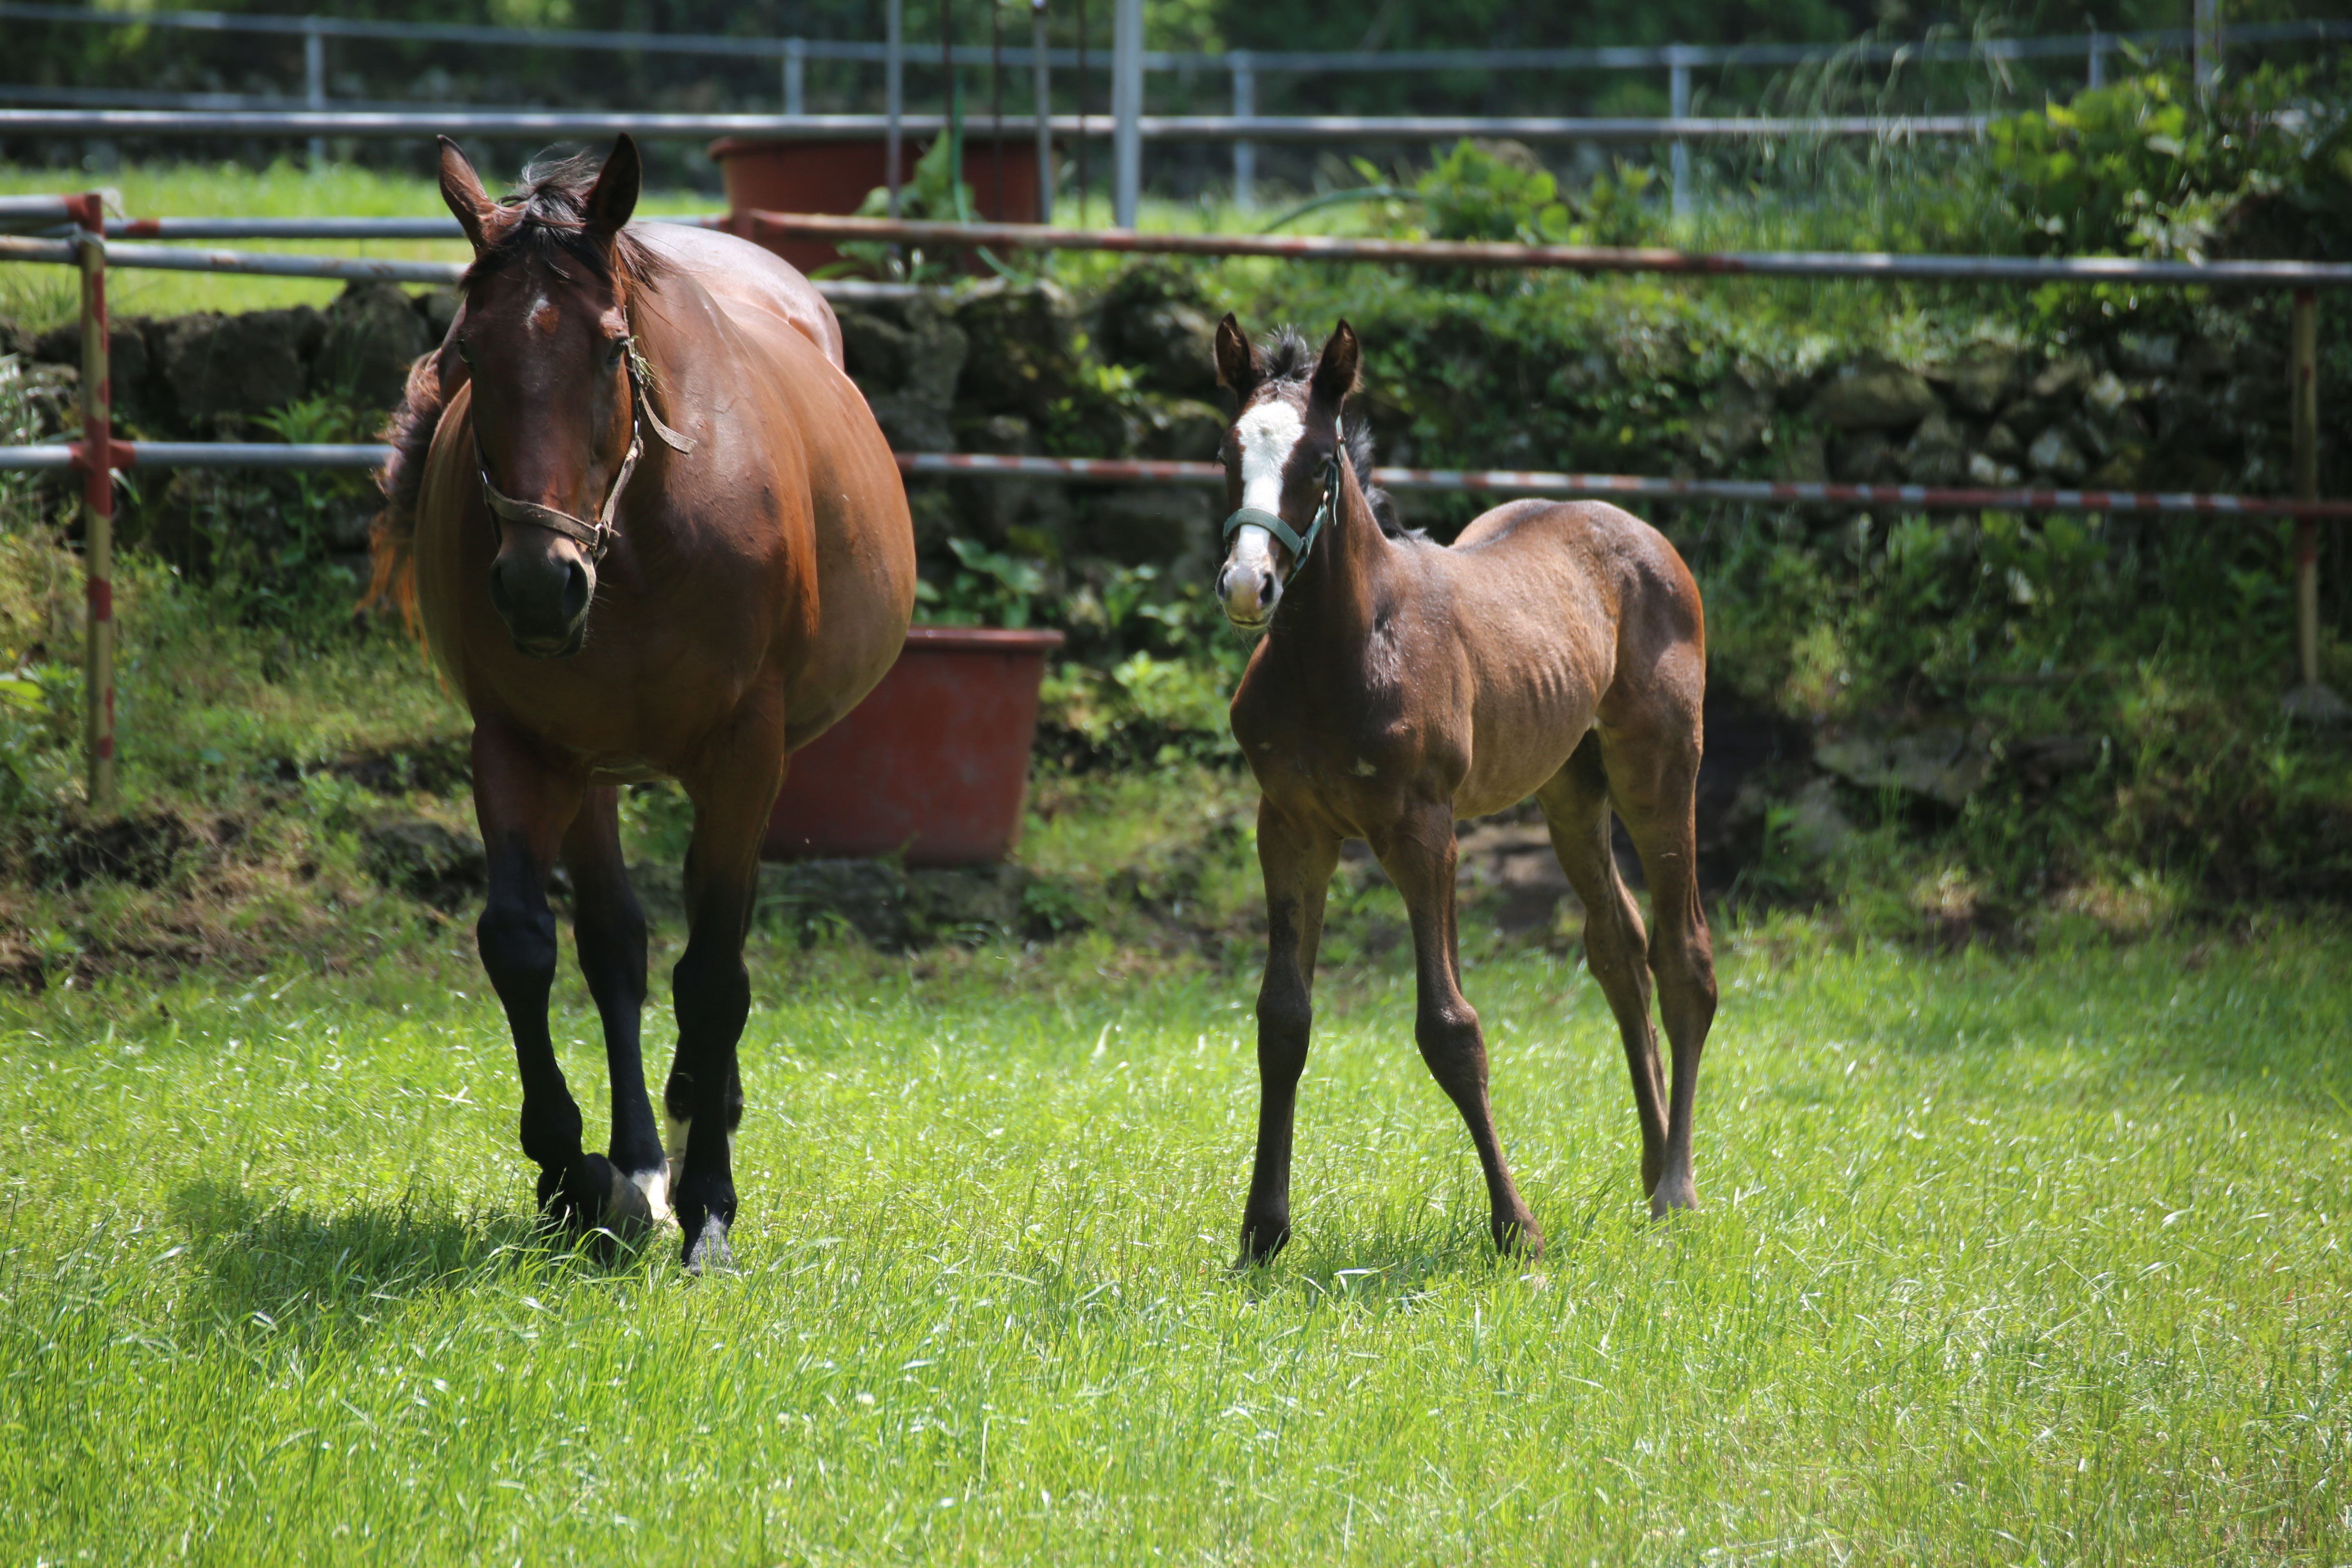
[393, 541]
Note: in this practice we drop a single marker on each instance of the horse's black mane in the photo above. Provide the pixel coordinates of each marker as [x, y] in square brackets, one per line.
[1288, 357]
[548, 224]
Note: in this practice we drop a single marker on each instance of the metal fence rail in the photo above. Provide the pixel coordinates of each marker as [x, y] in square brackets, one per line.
[1484, 481]
[1302, 62]
[296, 124]
[1878, 265]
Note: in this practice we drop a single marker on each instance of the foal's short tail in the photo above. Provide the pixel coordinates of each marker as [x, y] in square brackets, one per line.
[392, 540]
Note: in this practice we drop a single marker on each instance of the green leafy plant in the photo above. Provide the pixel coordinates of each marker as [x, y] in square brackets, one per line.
[2144, 166]
[993, 589]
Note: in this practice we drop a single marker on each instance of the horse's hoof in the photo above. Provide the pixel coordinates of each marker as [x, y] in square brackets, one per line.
[1672, 1195]
[1261, 1239]
[590, 1195]
[1520, 1238]
[709, 1252]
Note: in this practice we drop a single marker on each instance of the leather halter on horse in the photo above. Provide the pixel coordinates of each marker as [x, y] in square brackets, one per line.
[1290, 536]
[593, 537]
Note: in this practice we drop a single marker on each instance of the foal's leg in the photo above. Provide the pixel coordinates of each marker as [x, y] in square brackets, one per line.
[703, 1096]
[1297, 859]
[1419, 855]
[612, 932]
[524, 809]
[1653, 782]
[1576, 807]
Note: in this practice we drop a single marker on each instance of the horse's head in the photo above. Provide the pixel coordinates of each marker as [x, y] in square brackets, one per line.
[545, 336]
[1280, 455]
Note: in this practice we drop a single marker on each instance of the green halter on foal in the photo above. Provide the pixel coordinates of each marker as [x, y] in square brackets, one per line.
[1283, 531]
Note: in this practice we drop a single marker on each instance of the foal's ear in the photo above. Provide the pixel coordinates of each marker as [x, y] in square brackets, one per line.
[1237, 363]
[1336, 372]
[615, 196]
[462, 189]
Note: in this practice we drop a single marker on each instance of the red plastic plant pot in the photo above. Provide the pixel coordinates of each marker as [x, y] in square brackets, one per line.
[834, 177]
[934, 763]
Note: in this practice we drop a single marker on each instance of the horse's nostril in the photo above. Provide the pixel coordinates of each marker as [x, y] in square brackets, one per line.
[499, 601]
[577, 587]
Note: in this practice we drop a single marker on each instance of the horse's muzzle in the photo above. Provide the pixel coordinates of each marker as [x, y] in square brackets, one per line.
[545, 602]
[1248, 593]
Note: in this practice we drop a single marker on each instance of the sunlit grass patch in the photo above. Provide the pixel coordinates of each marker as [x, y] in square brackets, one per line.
[2010, 1259]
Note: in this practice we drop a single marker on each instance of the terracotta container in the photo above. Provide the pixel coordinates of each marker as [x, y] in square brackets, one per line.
[934, 763]
[834, 177]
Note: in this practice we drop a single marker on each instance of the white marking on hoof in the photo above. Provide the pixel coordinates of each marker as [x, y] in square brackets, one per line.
[654, 1186]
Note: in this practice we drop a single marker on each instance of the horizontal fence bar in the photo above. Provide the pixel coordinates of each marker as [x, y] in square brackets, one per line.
[1313, 248]
[257, 264]
[1119, 471]
[1622, 57]
[33, 209]
[1568, 257]
[1520, 481]
[202, 455]
[1308, 127]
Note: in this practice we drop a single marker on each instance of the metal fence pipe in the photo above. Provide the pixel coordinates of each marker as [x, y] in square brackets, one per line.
[1619, 58]
[1571, 258]
[553, 124]
[1518, 482]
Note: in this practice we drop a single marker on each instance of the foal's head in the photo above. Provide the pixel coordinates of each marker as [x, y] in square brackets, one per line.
[545, 336]
[1278, 457]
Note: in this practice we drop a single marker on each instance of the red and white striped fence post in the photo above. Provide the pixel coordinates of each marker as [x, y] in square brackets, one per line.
[95, 456]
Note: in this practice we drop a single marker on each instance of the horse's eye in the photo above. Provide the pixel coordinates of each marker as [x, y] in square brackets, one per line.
[465, 351]
[617, 353]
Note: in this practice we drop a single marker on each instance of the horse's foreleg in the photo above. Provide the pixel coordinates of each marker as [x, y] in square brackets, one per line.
[523, 809]
[1576, 807]
[704, 1097]
[611, 932]
[1298, 860]
[1419, 855]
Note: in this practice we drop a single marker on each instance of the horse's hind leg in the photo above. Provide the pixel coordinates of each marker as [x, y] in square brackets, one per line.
[1576, 808]
[1297, 859]
[611, 932]
[703, 1096]
[1419, 854]
[1653, 782]
[524, 810]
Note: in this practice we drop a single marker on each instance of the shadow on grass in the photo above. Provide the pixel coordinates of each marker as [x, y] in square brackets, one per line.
[281, 1268]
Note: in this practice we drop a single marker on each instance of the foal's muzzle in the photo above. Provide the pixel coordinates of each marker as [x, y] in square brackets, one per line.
[1248, 590]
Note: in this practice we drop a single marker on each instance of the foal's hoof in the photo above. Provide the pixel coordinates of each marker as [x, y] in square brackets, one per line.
[1520, 1240]
[709, 1252]
[1672, 1196]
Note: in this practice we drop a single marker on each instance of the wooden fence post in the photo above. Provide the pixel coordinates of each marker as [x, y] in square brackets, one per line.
[98, 507]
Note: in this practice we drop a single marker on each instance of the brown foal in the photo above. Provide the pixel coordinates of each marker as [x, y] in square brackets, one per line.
[1556, 650]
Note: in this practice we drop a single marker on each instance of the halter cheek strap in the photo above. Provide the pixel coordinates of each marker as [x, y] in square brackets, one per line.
[593, 537]
[1298, 545]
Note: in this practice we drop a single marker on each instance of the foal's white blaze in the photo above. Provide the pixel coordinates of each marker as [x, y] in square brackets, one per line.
[1266, 435]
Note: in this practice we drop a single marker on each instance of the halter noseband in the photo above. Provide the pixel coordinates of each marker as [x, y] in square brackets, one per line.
[593, 537]
[1299, 546]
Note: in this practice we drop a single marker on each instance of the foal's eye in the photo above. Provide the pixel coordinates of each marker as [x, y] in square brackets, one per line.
[465, 351]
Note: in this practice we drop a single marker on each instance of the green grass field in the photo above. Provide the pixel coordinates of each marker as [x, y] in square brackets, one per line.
[2034, 1260]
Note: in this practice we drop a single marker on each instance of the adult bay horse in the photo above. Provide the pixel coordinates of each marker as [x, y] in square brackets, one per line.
[649, 527]
[1556, 650]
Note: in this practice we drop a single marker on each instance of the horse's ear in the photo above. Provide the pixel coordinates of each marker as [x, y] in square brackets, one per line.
[462, 189]
[1336, 372]
[1237, 363]
[615, 196]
